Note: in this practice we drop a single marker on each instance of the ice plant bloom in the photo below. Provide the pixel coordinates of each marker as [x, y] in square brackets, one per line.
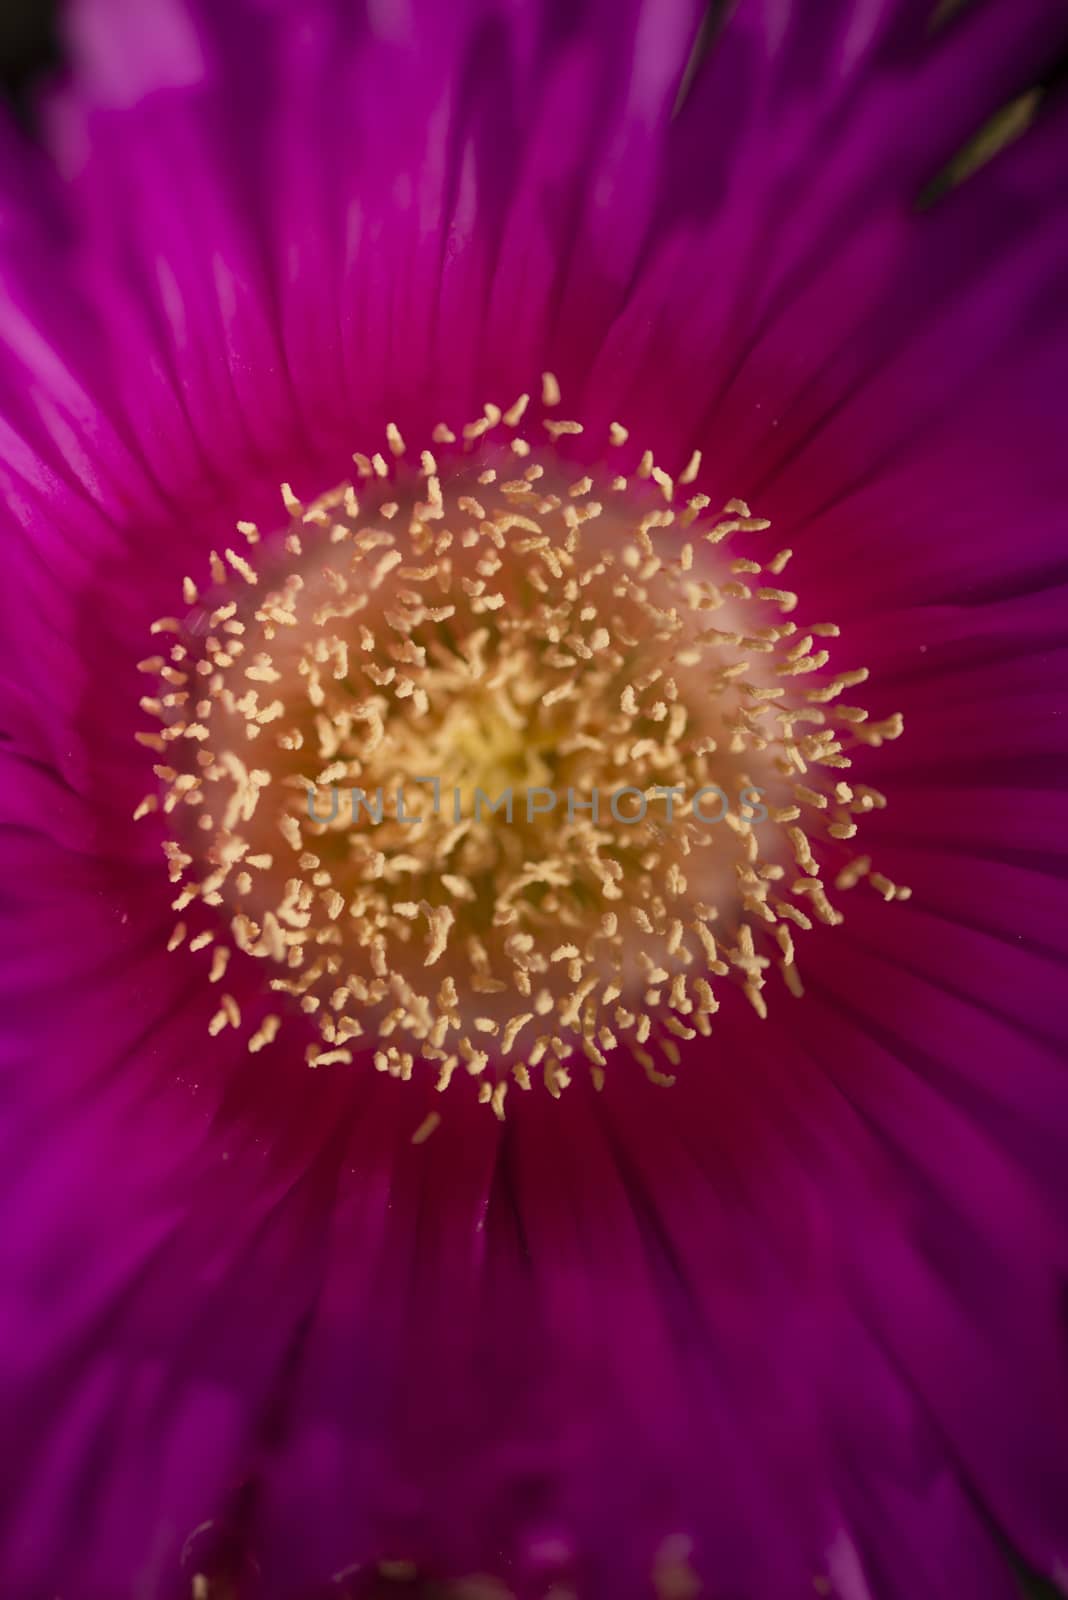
[532, 686]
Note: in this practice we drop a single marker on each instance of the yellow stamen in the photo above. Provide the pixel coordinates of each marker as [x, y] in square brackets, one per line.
[446, 768]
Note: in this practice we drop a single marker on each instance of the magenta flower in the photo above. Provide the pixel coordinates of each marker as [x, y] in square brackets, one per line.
[529, 305]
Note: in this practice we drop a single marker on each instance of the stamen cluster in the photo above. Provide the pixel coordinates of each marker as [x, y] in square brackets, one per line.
[487, 627]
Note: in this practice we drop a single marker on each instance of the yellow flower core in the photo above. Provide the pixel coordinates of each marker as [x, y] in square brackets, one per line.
[553, 699]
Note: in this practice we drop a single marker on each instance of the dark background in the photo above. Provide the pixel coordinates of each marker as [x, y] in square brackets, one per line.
[27, 45]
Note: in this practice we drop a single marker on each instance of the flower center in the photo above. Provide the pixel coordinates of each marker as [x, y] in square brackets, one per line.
[497, 767]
